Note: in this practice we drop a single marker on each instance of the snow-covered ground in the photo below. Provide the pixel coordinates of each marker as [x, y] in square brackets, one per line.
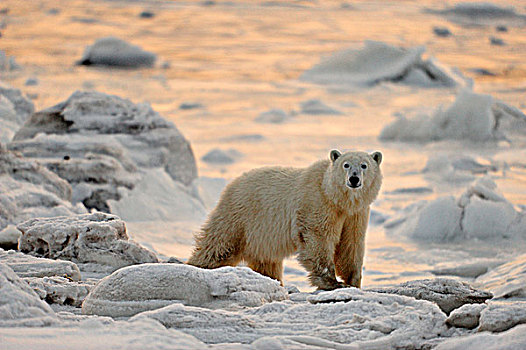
[211, 89]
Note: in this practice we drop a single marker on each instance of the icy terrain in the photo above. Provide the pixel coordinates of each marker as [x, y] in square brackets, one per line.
[154, 124]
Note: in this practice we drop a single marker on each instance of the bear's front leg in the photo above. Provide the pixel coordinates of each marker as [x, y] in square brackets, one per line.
[349, 253]
[316, 255]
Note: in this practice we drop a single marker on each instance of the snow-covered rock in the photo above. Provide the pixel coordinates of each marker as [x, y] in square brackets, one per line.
[15, 108]
[135, 289]
[97, 333]
[514, 339]
[447, 293]
[481, 212]
[455, 168]
[366, 320]
[507, 280]
[316, 107]
[377, 62]
[130, 138]
[9, 237]
[90, 238]
[116, 52]
[19, 305]
[59, 290]
[502, 315]
[219, 156]
[466, 316]
[472, 116]
[481, 13]
[29, 266]
[273, 116]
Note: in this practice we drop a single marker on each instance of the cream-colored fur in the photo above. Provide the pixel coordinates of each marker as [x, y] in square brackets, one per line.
[270, 213]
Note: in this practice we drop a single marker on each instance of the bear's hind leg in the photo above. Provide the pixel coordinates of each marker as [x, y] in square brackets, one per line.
[273, 270]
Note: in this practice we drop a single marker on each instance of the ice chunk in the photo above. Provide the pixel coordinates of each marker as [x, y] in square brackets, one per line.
[19, 305]
[15, 108]
[9, 237]
[500, 316]
[507, 280]
[466, 316]
[366, 320]
[316, 107]
[447, 293]
[134, 289]
[113, 51]
[377, 62]
[97, 238]
[59, 290]
[29, 266]
[273, 116]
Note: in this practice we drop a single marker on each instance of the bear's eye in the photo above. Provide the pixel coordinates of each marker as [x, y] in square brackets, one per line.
[346, 165]
[364, 166]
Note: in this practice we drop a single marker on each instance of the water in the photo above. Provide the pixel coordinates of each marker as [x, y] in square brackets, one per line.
[241, 58]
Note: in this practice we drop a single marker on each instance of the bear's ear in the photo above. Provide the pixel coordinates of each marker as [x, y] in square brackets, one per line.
[335, 154]
[377, 156]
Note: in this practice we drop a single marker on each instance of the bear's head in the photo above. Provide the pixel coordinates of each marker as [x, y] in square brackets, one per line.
[354, 176]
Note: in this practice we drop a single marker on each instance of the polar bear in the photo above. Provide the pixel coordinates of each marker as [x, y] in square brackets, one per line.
[320, 212]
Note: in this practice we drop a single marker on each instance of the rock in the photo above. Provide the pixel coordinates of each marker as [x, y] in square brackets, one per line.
[366, 320]
[496, 41]
[19, 305]
[219, 156]
[59, 290]
[443, 32]
[28, 190]
[501, 28]
[190, 105]
[9, 238]
[377, 62]
[130, 138]
[116, 52]
[448, 294]
[514, 339]
[29, 266]
[146, 14]
[273, 116]
[466, 316]
[481, 13]
[316, 107]
[135, 289]
[501, 316]
[31, 82]
[89, 238]
[507, 280]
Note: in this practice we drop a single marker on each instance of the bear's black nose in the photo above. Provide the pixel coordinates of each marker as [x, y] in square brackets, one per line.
[354, 181]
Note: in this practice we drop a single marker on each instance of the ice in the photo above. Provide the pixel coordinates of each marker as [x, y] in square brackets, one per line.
[447, 293]
[481, 213]
[15, 108]
[220, 156]
[19, 305]
[377, 62]
[507, 280]
[135, 289]
[367, 320]
[456, 168]
[472, 269]
[514, 339]
[116, 52]
[131, 138]
[502, 315]
[481, 13]
[466, 316]
[273, 116]
[59, 290]
[9, 237]
[89, 238]
[96, 334]
[316, 107]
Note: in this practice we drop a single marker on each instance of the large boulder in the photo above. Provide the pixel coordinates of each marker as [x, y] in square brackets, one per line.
[447, 293]
[90, 238]
[19, 305]
[30, 266]
[135, 289]
[130, 139]
[116, 52]
[29, 190]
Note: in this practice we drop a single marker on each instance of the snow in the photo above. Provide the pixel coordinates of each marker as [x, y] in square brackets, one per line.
[131, 138]
[15, 108]
[273, 116]
[447, 293]
[19, 305]
[377, 62]
[29, 266]
[316, 107]
[88, 238]
[116, 52]
[514, 339]
[502, 315]
[366, 320]
[135, 289]
[507, 280]
[481, 212]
